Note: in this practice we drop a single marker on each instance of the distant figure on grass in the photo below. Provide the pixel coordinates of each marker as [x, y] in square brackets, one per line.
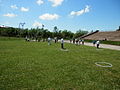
[70, 40]
[55, 39]
[94, 42]
[82, 41]
[73, 40]
[77, 41]
[62, 43]
[27, 39]
[98, 43]
[49, 41]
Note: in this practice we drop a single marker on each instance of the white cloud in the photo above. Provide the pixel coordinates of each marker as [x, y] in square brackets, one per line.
[14, 7]
[77, 13]
[37, 24]
[87, 9]
[23, 9]
[10, 15]
[48, 16]
[39, 2]
[56, 2]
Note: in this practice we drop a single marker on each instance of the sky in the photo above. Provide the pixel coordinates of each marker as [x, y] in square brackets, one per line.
[72, 15]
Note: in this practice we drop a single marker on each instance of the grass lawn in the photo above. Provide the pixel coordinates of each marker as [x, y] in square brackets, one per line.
[37, 66]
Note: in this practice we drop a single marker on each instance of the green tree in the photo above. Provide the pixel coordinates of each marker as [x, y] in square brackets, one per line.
[80, 33]
[55, 31]
[67, 34]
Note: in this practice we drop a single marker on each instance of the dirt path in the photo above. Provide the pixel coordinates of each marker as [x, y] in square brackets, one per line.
[114, 47]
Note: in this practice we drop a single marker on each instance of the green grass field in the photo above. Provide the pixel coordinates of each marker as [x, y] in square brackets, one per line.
[37, 66]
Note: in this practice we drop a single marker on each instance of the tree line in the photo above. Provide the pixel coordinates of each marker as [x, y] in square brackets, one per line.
[40, 33]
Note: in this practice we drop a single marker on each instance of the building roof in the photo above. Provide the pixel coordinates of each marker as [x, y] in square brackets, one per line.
[111, 36]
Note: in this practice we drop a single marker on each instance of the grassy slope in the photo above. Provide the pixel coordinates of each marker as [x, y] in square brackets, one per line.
[33, 65]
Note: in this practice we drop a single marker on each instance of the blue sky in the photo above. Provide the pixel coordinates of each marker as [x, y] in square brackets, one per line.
[65, 14]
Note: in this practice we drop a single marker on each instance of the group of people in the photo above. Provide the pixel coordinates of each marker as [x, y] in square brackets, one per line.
[62, 41]
[97, 42]
[74, 41]
[77, 41]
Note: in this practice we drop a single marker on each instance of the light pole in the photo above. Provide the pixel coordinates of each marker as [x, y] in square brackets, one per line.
[42, 26]
[21, 26]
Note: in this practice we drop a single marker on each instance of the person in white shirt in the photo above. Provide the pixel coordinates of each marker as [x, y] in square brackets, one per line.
[55, 39]
[98, 43]
[49, 41]
[62, 43]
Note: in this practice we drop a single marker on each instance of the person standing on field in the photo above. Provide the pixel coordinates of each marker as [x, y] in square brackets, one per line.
[82, 41]
[98, 43]
[73, 40]
[94, 42]
[62, 43]
[55, 39]
[49, 41]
